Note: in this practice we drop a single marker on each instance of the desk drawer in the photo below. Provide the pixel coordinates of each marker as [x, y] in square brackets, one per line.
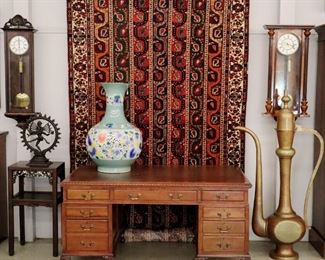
[86, 212]
[223, 195]
[88, 195]
[224, 213]
[155, 195]
[86, 226]
[221, 227]
[87, 242]
[223, 244]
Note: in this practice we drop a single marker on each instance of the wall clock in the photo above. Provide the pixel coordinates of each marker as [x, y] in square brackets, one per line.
[19, 67]
[288, 67]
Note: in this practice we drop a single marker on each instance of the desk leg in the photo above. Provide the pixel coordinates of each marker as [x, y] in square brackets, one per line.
[11, 216]
[55, 216]
[21, 213]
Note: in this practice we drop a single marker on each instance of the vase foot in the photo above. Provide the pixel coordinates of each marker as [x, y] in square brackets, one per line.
[105, 169]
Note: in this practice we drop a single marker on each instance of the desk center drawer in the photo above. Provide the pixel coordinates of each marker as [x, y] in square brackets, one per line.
[155, 195]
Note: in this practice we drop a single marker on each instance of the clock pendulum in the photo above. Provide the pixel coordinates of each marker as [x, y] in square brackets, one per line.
[22, 99]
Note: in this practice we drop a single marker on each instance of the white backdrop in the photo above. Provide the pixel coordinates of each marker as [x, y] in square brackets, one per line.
[51, 90]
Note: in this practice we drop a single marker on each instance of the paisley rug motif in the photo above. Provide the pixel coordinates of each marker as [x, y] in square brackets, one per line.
[186, 63]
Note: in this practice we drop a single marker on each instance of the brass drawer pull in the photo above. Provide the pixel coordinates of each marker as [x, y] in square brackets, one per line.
[224, 228]
[88, 196]
[176, 196]
[87, 227]
[134, 196]
[86, 213]
[87, 244]
[222, 196]
[224, 214]
[224, 246]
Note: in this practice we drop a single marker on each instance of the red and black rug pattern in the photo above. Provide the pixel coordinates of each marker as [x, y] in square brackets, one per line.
[186, 65]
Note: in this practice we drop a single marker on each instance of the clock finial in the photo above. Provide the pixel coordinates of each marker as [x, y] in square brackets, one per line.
[18, 22]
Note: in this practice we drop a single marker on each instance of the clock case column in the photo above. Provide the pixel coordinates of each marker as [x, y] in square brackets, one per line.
[19, 70]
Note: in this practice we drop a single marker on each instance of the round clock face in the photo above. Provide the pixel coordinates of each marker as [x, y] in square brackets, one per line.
[18, 45]
[288, 44]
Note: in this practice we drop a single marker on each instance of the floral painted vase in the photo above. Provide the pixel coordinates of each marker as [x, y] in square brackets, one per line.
[114, 143]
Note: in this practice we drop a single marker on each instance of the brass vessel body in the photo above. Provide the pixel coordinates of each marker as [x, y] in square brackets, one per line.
[284, 227]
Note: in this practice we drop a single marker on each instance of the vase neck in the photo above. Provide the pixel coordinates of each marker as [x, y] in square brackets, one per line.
[114, 114]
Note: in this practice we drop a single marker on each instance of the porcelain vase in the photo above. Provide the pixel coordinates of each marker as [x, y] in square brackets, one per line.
[114, 143]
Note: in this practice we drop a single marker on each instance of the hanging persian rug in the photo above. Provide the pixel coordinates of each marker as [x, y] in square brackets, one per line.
[186, 63]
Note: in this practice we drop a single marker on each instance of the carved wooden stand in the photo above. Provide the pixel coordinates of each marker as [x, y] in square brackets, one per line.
[52, 199]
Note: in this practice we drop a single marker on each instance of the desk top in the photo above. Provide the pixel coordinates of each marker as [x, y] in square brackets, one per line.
[216, 176]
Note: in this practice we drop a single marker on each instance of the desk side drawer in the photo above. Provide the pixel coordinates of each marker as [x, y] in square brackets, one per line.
[155, 195]
[224, 213]
[86, 226]
[86, 212]
[223, 195]
[223, 227]
[87, 195]
[223, 244]
[87, 242]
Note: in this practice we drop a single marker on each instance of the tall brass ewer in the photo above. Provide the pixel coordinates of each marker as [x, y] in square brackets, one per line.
[284, 227]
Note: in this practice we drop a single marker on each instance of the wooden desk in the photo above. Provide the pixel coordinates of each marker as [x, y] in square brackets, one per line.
[54, 173]
[90, 210]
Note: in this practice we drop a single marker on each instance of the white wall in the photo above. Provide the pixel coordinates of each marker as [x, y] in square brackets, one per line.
[51, 92]
[51, 88]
